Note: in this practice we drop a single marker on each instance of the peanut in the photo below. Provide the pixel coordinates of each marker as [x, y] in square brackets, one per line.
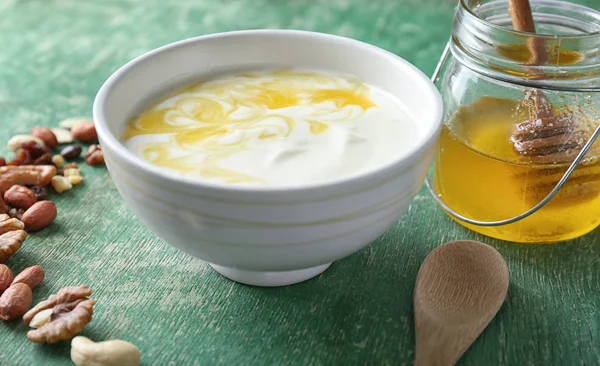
[15, 301]
[20, 197]
[39, 216]
[84, 132]
[85, 352]
[46, 135]
[6, 277]
[31, 276]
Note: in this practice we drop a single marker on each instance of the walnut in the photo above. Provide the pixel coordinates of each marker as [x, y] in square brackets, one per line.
[10, 242]
[9, 224]
[71, 311]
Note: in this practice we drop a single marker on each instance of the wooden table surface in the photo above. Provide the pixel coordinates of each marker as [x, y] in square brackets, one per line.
[54, 56]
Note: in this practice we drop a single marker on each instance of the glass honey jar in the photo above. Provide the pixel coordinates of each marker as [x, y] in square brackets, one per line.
[517, 123]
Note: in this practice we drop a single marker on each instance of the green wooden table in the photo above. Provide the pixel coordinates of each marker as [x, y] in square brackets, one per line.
[55, 54]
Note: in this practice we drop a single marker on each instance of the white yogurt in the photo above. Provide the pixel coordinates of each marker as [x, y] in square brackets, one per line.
[329, 127]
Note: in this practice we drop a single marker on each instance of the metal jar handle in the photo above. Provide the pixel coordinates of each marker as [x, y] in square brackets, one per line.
[532, 210]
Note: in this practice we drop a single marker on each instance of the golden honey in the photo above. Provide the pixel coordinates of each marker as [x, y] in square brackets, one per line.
[479, 175]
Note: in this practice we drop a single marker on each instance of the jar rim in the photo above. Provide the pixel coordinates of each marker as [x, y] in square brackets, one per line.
[583, 36]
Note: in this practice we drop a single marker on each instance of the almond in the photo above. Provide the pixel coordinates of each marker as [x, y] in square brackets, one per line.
[46, 135]
[6, 277]
[31, 276]
[84, 132]
[20, 197]
[39, 216]
[15, 301]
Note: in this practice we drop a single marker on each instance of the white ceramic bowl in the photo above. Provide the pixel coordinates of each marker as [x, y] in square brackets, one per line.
[266, 236]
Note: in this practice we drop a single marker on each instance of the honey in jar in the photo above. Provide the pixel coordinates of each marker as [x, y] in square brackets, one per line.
[515, 123]
[480, 175]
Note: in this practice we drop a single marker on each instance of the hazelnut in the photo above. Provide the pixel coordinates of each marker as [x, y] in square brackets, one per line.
[84, 132]
[46, 135]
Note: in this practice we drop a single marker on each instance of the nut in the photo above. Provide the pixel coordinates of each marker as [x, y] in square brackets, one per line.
[71, 171]
[19, 140]
[71, 152]
[15, 301]
[75, 179]
[9, 224]
[20, 197]
[39, 216]
[69, 123]
[6, 277]
[69, 166]
[61, 184]
[45, 159]
[94, 156]
[3, 207]
[71, 311]
[116, 352]
[27, 175]
[31, 276]
[84, 132]
[58, 160]
[2, 161]
[10, 243]
[41, 318]
[62, 136]
[29, 153]
[5, 184]
[74, 176]
[46, 135]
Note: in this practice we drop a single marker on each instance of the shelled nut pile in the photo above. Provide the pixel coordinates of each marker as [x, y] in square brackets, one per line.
[42, 159]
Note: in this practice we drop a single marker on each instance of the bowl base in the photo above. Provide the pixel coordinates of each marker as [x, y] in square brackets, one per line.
[269, 279]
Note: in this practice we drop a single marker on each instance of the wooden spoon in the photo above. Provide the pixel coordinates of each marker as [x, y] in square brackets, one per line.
[522, 19]
[460, 287]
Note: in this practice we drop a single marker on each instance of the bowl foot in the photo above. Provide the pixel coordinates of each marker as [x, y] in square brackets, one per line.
[269, 279]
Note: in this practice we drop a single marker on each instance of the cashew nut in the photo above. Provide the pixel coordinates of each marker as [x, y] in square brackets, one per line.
[85, 352]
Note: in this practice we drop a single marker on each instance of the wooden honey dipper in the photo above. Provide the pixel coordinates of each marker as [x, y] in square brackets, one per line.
[545, 137]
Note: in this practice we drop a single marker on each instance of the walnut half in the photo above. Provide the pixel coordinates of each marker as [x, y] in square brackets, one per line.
[71, 311]
[10, 242]
[8, 223]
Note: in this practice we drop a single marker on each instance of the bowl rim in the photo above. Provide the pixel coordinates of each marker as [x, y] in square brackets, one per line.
[113, 143]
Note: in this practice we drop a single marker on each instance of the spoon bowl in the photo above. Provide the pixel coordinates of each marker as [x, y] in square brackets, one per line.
[460, 287]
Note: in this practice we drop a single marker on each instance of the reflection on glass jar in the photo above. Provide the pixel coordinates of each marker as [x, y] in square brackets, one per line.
[513, 128]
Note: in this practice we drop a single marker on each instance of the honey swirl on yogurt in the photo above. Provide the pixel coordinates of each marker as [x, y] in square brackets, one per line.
[218, 128]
